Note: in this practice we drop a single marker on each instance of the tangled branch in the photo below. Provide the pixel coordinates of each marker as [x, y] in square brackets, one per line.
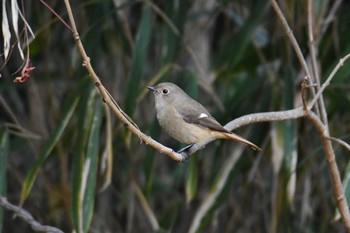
[27, 217]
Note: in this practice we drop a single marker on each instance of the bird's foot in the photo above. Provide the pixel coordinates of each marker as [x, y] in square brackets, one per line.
[184, 152]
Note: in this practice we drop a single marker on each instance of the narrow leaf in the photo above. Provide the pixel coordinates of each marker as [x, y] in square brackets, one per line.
[47, 148]
[14, 12]
[138, 59]
[86, 110]
[90, 170]
[107, 156]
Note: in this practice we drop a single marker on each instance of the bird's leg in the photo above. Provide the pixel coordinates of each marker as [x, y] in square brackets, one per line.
[185, 149]
[184, 152]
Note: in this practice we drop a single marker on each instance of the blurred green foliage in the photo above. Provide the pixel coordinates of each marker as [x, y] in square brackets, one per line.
[54, 132]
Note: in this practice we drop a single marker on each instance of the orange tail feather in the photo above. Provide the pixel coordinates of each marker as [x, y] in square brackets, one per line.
[235, 137]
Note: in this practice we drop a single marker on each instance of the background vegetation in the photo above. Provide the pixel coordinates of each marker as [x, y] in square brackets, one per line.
[73, 165]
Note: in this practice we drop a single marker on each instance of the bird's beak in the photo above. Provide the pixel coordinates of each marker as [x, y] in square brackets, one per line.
[151, 88]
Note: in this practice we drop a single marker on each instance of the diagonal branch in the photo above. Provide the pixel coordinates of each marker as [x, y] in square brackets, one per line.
[340, 142]
[121, 115]
[291, 37]
[329, 19]
[330, 77]
[296, 47]
[314, 62]
[321, 127]
[338, 191]
[248, 119]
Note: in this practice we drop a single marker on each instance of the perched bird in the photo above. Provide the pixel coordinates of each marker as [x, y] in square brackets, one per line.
[186, 120]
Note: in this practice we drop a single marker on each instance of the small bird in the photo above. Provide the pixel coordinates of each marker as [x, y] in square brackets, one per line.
[186, 120]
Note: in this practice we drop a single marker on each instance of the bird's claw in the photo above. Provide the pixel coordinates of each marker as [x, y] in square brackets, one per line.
[184, 157]
[184, 153]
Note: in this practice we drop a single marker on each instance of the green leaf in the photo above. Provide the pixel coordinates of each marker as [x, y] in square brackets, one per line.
[289, 137]
[4, 147]
[170, 38]
[90, 167]
[47, 148]
[106, 160]
[233, 54]
[139, 60]
[86, 110]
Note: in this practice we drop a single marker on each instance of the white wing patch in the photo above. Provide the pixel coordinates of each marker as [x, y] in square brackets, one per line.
[203, 115]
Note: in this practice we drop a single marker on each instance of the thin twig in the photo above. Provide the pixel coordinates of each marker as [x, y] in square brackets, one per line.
[204, 83]
[303, 94]
[22, 132]
[57, 15]
[321, 128]
[338, 191]
[328, 20]
[313, 51]
[7, 109]
[27, 217]
[340, 142]
[291, 37]
[330, 77]
[163, 16]
[296, 47]
[310, 16]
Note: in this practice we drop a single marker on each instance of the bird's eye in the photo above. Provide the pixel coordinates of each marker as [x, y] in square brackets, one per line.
[165, 91]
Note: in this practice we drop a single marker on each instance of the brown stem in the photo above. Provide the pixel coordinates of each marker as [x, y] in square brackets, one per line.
[338, 190]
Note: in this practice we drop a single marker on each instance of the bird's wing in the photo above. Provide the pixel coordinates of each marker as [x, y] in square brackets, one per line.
[200, 116]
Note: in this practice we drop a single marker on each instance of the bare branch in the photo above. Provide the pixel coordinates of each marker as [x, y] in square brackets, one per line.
[27, 217]
[254, 118]
[265, 117]
[291, 37]
[314, 61]
[56, 15]
[121, 115]
[296, 47]
[322, 128]
[328, 20]
[330, 77]
[340, 142]
[338, 190]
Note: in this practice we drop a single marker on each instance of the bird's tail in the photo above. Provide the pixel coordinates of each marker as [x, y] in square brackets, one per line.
[235, 137]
